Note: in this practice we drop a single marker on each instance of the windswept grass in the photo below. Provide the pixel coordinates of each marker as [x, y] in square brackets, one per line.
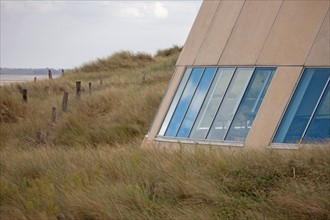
[118, 110]
[130, 183]
[119, 60]
[89, 165]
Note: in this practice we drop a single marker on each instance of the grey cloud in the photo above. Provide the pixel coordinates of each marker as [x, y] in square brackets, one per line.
[68, 33]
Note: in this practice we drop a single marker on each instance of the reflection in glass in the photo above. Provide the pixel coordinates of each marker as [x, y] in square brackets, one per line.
[184, 102]
[250, 104]
[302, 105]
[230, 103]
[175, 101]
[196, 102]
[212, 102]
[319, 128]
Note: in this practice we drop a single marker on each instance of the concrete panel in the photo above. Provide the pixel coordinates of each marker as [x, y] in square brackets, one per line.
[197, 32]
[320, 52]
[250, 32]
[293, 33]
[273, 106]
[218, 33]
[166, 102]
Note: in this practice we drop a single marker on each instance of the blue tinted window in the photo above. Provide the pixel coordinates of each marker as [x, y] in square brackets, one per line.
[230, 103]
[212, 102]
[302, 105]
[184, 102]
[319, 128]
[197, 102]
[175, 101]
[250, 104]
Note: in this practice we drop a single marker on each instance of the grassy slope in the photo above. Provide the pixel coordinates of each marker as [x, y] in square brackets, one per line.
[89, 164]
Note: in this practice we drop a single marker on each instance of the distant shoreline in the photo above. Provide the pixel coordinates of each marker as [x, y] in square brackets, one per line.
[7, 79]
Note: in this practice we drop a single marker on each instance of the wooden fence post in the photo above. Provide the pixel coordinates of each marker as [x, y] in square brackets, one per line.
[78, 89]
[54, 113]
[50, 76]
[38, 137]
[65, 102]
[90, 87]
[143, 77]
[101, 81]
[24, 92]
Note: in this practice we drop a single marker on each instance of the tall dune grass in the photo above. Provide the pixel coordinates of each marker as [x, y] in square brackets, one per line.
[130, 183]
[89, 164]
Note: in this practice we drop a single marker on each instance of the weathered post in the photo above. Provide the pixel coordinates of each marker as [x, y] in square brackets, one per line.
[65, 102]
[50, 76]
[101, 81]
[54, 114]
[78, 89]
[24, 92]
[143, 77]
[35, 79]
[62, 72]
[90, 87]
[38, 137]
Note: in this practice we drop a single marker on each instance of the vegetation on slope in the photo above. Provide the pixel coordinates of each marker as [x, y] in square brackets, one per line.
[89, 165]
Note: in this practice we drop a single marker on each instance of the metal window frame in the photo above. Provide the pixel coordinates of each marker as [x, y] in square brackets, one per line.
[176, 90]
[290, 145]
[240, 102]
[216, 71]
[218, 68]
[204, 141]
[258, 97]
[181, 97]
[185, 113]
[314, 111]
[216, 113]
[224, 137]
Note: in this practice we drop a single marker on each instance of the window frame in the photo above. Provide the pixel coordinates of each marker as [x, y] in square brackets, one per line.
[216, 112]
[300, 143]
[188, 140]
[176, 107]
[172, 99]
[239, 103]
[208, 89]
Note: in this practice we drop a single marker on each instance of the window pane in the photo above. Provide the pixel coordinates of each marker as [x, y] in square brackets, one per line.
[230, 103]
[319, 129]
[196, 102]
[212, 102]
[184, 102]
[250, 104]
[175, 101]
[302, 105]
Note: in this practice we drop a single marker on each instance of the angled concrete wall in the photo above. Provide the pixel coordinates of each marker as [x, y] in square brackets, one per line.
[197, 32]
[319, 55]
[250, 32]
[218, 33]
[293, 33]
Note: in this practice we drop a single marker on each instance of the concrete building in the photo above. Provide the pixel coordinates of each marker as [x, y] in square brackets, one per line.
[251, 74]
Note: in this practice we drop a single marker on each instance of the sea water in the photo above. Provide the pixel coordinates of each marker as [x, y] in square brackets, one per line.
[13, 78]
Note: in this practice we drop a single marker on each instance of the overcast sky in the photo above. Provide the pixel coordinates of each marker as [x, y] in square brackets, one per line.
[65, 34]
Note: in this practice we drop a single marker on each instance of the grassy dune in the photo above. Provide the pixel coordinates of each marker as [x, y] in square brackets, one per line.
[89, 164]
